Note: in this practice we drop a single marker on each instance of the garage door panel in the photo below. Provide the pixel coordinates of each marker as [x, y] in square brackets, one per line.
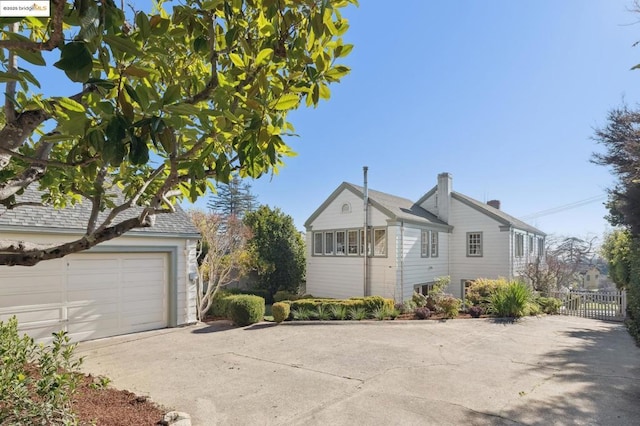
[94, 310]
[30, 284]
[91, 295]
[99, 262]
[99, 295]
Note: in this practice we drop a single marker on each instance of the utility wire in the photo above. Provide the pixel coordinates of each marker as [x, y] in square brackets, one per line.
[564, 207]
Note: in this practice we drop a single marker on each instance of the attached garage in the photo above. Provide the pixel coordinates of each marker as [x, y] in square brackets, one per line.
[141, 281]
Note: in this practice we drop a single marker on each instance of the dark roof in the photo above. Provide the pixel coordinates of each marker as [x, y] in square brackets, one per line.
[496, 214]
[397, 208]
[74, 218]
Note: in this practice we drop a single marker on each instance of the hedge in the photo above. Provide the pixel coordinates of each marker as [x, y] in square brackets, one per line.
[245, 309]
[268, 297]
[370, 304]
[280, 311]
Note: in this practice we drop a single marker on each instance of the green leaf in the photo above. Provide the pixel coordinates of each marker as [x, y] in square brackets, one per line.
[123, 45]
[142, 21]
[285, 102]
[171, 95]
[139, 153]
[5, 76]
[32, 57]
[344, 50]
[236, 59]
[75, 61]
[265, 55]
[69, 104]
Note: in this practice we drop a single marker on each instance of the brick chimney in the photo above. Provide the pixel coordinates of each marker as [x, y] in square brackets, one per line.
[494, 203]
[444, 196]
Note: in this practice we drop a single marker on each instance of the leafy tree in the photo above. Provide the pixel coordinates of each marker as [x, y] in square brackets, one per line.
[616, 249]
[233, 199]
[166, 103]
[621, 141]
[225, 259]
[277, 250]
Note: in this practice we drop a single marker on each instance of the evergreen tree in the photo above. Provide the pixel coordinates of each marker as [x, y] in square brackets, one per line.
[276, 249]
[233, 199]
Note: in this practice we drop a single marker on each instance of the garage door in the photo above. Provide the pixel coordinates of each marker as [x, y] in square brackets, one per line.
[90, 295]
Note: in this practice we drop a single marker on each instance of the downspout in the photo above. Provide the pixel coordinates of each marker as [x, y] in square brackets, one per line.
[365, 197]
[401, 261]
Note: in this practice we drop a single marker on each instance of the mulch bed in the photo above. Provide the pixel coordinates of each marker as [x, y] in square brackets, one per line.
[112, 407]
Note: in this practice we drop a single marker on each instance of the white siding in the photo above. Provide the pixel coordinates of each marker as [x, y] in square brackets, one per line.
[496, 247]
[332, 216]
[415, 268]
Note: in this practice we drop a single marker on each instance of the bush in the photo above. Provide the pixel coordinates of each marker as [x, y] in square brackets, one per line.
[549, 305]
[408, 307]
[368, 304]
[280, 311]
[357, 313]
[479, 293]
[450, 306]
[323, 312]
[219, 304]
[268, 297]
[419, 299]
[284, 295]
[511, 301]
[338, 312]
[475, 311]
[244, 309]
[36, 381]
[422, 312]
[301, 313]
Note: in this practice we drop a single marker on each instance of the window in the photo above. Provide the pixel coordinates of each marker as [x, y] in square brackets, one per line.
[328, 243]
[588, 277]
[424, 243]
[340, 243]
[474, 244]
[530, 243]
[519, 245]
[352, 247]
[540, 247]
[423, 288]
[361, 244]
[434, 244]
[379, 242]
[346, 208]
[317, 243]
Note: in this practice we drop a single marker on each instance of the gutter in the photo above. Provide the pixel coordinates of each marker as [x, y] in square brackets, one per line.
[365, 256]
[402, 261]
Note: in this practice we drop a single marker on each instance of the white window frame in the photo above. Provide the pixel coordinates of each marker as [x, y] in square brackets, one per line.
[476, 245]
[318, 236]
[375, 245]
[518, 248]
[329, 242]
[357, 240]
[341, 250]
[434, 242]
[424, 243]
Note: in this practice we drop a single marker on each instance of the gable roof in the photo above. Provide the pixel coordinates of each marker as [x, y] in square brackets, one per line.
[497, 214]
[396, 208]
[73, 219]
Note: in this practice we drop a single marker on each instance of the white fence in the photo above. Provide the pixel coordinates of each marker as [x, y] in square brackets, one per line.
[610, 305]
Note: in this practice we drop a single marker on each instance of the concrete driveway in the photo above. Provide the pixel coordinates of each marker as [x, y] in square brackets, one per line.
[538, 371]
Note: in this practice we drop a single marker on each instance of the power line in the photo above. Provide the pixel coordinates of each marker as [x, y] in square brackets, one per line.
[564, 207]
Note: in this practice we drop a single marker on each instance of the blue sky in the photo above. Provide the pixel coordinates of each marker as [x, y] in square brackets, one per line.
[502, 94]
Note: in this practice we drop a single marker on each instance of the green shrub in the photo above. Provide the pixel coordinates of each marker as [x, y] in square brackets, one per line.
[511, 301]
[245, 309]
[533, 309]
[479, 293]
[323, 312]
[549, 305]
[301, 313]
[36, 381]
[268, 297]
[280, 311]
[357, 313]
[371, 303]
[284, 295]
[219, 304]
[449, 306]
[420, 300]
[382, 313]
[338, 312]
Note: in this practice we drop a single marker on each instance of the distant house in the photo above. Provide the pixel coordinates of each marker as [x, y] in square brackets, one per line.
[591, 278]
[409, 244]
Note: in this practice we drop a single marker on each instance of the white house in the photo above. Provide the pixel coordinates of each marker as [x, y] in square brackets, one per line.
[140, 281]
[444, 233]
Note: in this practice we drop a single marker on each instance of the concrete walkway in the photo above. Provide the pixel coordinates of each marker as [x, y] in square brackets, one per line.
[538, 371]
